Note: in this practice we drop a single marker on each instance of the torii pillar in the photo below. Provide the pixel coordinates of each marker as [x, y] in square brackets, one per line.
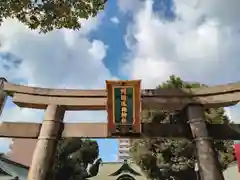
[3, 96]
[44, 153]
[209, 168]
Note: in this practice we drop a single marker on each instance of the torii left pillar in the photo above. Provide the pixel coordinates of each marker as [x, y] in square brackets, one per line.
[44, 153]
[3, 95]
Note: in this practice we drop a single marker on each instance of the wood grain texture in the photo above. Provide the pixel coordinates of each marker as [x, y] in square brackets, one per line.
[80, 103]
[43, 156]
[100, 130]
[109, 108]
[73, 99]
[203, 91]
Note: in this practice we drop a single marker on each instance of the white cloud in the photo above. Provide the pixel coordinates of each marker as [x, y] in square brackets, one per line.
[59, 59]
[16, 114]
[233, 114]
[200, 45]
[98, 50]
[115, 20]
[183, 47]
[127, 6]
[4, 144]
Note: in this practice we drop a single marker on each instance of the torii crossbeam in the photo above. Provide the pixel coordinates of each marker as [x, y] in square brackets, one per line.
[57, 101]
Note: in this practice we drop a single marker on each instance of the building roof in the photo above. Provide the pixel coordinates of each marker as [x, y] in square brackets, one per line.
[10, 169]
[114, 170]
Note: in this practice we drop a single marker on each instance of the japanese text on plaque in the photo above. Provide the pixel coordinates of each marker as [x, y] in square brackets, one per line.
[124, 105]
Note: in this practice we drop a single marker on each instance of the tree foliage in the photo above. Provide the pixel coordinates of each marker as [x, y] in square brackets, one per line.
[73, 155]
[175, 155]
[47, 15]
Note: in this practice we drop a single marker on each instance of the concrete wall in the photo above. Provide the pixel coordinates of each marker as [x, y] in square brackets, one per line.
[21, 151]
[232, 173]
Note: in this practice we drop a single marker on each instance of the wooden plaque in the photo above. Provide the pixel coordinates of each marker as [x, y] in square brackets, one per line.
[123, 107]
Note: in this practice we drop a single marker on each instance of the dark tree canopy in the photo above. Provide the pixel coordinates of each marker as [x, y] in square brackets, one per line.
[176, 155]
[48, 15]
[72, 158]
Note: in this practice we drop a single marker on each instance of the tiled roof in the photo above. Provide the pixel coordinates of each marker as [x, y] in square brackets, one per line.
[108, 168]
[13, 169]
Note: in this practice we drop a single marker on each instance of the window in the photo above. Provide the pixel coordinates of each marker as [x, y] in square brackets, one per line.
[124, 157]
[124, 146]
[123, 152]
[124, 141]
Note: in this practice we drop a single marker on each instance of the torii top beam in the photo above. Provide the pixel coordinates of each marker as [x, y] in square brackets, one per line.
[73, 99]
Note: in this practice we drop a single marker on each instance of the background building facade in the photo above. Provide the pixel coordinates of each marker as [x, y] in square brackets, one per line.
[123, 149]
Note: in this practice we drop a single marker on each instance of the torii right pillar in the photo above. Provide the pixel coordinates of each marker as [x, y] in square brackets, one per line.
[209, 168]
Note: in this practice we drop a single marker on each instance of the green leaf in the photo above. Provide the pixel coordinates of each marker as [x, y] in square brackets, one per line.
[51, 14]
[72, 158]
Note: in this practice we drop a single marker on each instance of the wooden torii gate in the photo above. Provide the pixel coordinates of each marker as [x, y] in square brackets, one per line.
[56, 101]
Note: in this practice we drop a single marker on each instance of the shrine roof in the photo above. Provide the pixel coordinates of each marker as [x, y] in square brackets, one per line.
[113, 170]
[10, 169]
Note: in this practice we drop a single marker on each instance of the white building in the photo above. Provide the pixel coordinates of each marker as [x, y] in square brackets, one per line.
[232, 173]
[123, 149]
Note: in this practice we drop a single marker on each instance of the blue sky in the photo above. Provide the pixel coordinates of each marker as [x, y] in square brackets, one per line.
[108, 147]
[147, 40]
[113, 35]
